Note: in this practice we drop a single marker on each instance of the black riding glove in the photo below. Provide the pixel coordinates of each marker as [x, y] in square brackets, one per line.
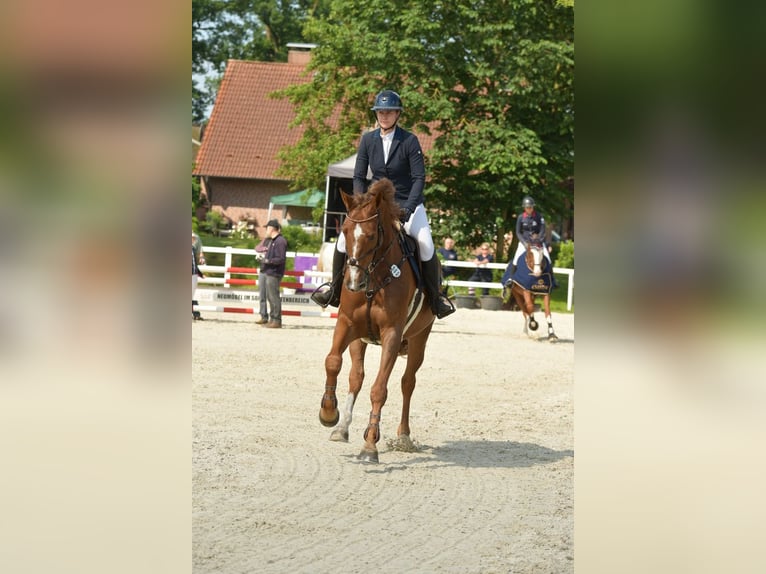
[405, 215]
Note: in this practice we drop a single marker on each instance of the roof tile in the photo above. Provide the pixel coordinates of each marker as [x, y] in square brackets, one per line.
[247, 128]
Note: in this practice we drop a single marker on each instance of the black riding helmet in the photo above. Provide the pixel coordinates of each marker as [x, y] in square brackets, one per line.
[387, 100]
[528, 202]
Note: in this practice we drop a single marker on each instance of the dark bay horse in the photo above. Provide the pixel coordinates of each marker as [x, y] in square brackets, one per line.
[533, 278]
[380, 303]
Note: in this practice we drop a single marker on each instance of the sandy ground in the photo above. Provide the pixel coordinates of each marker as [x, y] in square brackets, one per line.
[489, 490]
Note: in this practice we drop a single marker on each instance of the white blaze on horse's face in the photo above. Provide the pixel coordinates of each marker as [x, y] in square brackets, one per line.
[537, 258]
[355, 273]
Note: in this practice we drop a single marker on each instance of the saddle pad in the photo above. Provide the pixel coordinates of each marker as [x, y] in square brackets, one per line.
[524, 277]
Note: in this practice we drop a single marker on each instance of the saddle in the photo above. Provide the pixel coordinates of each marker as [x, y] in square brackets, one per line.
[411, 251]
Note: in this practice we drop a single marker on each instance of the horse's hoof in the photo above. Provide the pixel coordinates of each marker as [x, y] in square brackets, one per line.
[339, 435]
[330, 423]
[368, 456]
[533, 325]
[405, 442]
[552, 337]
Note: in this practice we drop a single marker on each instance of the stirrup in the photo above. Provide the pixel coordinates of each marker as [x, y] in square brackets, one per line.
[325, 298]
[444, 307]
[322, 297]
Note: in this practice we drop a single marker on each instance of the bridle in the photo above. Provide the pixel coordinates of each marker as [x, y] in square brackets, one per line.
[375, 260]
[535, 248]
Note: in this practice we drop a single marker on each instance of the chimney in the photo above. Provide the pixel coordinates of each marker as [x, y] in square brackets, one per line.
[299, 54]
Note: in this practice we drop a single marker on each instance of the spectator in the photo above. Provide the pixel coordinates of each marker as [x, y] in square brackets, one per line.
[447, 253]
[198, 258]
[260, 254]
[482, 273]
[273, 269]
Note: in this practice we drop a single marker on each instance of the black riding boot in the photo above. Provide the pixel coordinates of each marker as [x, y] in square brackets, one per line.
[332, 295]
[440, 305]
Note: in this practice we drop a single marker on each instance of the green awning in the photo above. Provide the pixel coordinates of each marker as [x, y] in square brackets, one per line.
[305, 198]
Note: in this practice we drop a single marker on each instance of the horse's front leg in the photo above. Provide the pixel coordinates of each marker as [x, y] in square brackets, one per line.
[390, 342]
[357, 350]
[328, 410]
[529, 301]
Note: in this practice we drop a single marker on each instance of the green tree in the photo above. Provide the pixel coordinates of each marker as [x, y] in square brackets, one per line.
[245, 30]
[493, 79]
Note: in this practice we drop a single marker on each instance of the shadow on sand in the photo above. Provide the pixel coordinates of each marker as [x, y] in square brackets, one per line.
[478, 454]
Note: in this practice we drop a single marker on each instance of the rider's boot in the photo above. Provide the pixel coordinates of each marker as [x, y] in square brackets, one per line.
[332, 295]
[440, 305]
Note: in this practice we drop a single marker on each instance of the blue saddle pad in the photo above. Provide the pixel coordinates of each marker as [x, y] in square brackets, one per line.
[523, 276]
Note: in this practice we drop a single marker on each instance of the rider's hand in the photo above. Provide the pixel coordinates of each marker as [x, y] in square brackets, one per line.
[405, 215]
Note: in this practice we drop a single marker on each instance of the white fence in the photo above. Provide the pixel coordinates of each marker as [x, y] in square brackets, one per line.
[497, 284]
[308, 279]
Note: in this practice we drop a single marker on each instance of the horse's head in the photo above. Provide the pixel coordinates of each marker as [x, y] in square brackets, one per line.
[370, 215]
[535, 258]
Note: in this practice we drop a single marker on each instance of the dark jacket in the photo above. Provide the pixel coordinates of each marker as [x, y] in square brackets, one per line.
[526, 226]
[276, 257]
[448, 255]
[483, 273]
[405, 166]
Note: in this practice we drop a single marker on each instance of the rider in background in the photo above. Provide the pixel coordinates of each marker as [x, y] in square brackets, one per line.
[394, 153]
[530, 228]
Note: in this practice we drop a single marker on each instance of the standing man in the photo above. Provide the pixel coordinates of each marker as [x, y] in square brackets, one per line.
[260, 254]
[272, 271]
[198, 258]
[394, 153]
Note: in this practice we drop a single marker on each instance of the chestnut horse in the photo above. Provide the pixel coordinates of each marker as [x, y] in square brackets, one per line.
[380, 303]
[535, 265]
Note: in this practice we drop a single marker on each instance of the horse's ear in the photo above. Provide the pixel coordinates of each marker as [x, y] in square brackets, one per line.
[347, 199]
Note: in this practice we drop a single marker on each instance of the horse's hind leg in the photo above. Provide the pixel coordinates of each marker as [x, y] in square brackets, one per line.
[357, 350]
[390, 342]
[547, 306]
[417, 350]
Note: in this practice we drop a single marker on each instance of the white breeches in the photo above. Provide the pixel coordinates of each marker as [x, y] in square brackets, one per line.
[416, 227]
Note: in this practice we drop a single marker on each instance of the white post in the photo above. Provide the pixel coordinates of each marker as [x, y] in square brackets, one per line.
[226, 265]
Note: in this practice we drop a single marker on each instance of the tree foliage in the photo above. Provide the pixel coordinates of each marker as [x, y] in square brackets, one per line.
[493, 80]
[245, 30]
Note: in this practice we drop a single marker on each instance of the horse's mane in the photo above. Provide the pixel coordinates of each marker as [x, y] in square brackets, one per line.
[385, 188]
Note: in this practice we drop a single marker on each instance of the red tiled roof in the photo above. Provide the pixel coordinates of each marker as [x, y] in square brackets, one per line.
[247, 128]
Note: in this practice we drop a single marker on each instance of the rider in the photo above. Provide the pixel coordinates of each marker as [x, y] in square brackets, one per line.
[530, 228]
[395, 153]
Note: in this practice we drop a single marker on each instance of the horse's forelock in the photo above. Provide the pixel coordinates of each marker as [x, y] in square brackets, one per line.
[385, 188]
